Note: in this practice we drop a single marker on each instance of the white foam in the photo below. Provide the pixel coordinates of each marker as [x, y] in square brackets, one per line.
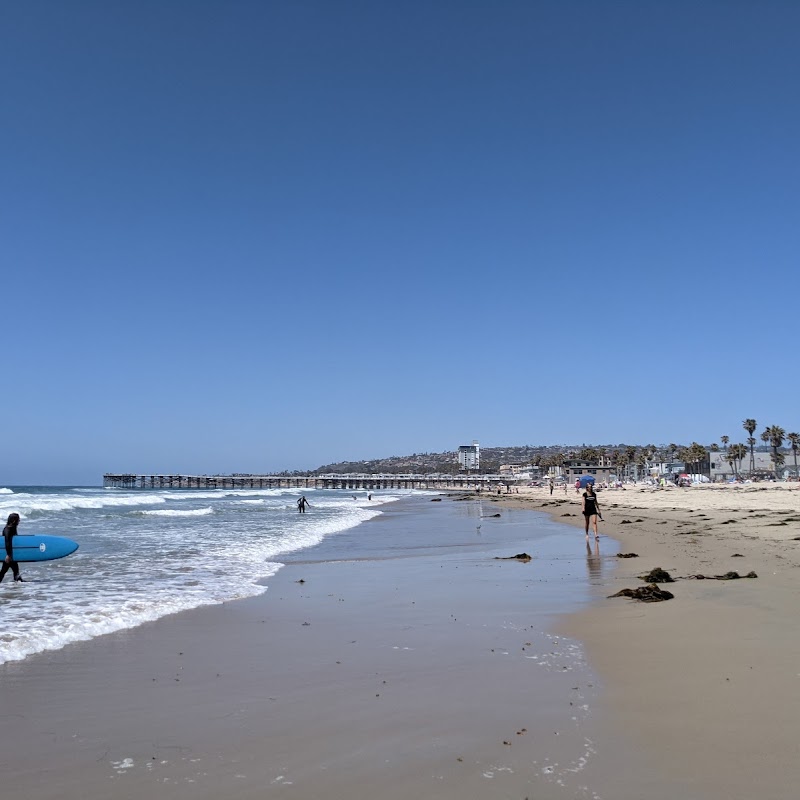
[146, 563]
[6, 491]
[66, 623]
[175, 512]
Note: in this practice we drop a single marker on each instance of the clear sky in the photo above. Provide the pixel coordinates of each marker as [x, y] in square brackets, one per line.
[248, 236]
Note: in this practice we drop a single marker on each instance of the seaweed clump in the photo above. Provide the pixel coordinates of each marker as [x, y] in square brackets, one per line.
[646, 594]
[658, 575]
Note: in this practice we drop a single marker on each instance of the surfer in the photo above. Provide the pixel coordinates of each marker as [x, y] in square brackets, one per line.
[9, 532]
[301, 504]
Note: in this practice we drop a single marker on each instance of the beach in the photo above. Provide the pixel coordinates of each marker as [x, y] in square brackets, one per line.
[408, 656]
[413, 656]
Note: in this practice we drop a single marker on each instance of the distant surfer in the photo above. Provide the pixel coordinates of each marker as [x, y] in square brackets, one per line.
[9, 532]
[301, 504]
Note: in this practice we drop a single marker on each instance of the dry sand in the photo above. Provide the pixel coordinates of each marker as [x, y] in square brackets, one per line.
[702, 692]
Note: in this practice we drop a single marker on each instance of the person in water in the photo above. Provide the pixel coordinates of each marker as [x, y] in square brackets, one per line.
[9, 532]
[591, 510]
[301, 504]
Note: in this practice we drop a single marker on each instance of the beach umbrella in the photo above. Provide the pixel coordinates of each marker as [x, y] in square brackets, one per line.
[585, 480]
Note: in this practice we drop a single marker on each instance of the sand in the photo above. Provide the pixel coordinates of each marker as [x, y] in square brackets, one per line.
[420, 666]
[701, 693]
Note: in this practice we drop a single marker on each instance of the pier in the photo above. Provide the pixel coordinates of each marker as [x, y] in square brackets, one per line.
[331, 481]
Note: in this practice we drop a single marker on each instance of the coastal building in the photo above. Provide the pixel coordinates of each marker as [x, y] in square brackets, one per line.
[520, 472]
[601, 470]
[667, 469]
[722, 470]
[469, 456]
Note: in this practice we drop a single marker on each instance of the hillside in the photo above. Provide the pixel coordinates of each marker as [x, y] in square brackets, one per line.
[491, 459]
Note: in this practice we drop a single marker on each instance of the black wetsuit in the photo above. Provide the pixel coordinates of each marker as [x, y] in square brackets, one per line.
[590, 504]
[8, 535]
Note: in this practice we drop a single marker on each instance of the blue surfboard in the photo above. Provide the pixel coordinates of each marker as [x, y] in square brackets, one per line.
[37, 547]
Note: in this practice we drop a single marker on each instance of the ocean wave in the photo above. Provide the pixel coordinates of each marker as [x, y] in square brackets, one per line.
[25, 504]
[6, 491]
[65, 624]
[175, 512]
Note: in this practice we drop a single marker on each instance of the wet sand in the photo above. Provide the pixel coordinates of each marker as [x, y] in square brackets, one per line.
[409, 662]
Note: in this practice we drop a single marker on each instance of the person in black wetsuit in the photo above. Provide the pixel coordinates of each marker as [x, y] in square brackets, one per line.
[591, 510]
[9, 532]
[301, 504]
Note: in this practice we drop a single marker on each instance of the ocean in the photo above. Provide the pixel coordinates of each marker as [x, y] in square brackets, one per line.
[148, 553]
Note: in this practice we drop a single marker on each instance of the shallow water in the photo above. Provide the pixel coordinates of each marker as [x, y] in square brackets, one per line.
[147, 553]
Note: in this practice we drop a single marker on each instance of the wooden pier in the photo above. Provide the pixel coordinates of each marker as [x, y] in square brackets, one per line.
[345, 481]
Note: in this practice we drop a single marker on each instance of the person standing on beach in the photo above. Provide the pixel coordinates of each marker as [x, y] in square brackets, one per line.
[552, 485]
[301, 504]
[9, 532]
[591, 510]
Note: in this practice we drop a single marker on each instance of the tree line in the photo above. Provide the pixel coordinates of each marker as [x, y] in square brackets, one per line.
[773, 437]
[623, 458]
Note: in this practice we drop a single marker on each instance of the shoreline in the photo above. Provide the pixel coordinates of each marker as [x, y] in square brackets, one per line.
[392, 662]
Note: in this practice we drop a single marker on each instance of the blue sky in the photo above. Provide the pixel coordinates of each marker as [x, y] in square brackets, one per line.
[248, 236]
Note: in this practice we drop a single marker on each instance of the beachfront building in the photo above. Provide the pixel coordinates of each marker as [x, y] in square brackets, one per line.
[722, 470]
[520, 472]
[601, 470]
[667, 469]
[469, 456]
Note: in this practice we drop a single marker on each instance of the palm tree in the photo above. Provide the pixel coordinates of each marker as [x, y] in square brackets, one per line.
[750, 426]
[776, 437]
[794, 438]
[725, 440]
[732, 457]
[751, 441]
[695, 454]
[741, 453]
[701, 455]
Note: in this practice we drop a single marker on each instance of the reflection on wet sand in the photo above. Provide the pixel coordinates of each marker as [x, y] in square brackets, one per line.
[594, 562]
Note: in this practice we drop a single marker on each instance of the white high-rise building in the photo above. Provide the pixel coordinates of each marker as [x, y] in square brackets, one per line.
[469, 456]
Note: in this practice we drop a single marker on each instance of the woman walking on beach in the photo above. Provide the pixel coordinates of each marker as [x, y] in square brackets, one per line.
[9, 532]
[591, 510]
